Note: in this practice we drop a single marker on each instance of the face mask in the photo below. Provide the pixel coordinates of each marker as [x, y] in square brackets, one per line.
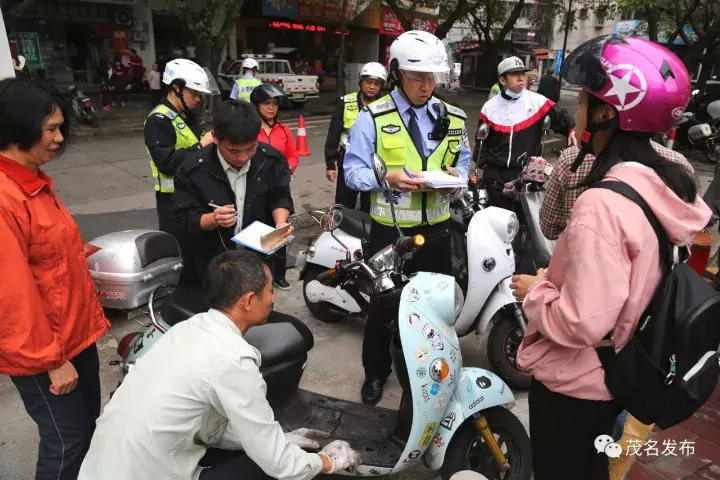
[514, 95]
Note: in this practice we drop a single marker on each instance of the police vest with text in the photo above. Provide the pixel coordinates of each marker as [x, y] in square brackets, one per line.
[350, 114]
[395, 146]
[184, 138]
[245, 87]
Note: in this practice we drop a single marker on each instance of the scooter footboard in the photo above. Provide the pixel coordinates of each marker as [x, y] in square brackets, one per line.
[477, 390]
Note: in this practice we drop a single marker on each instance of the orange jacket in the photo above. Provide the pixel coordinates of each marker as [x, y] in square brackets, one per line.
[49, 310]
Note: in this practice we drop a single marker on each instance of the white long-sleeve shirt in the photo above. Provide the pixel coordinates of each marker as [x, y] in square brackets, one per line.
[198, 386]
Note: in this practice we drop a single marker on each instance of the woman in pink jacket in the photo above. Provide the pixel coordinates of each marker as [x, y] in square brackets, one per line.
[606, 265]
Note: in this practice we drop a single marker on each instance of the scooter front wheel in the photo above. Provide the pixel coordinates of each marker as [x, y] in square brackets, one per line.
[503, 343]
[321, 310]
[468, 451]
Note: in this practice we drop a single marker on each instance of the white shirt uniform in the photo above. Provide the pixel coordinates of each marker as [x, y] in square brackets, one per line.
[198, 386]
[237, 179]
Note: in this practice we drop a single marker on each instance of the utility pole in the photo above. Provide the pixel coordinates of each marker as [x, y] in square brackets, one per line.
[567, 29]
[340, 88]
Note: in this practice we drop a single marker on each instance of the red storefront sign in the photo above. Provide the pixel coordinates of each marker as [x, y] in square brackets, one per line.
[390, 23]
[321, 10]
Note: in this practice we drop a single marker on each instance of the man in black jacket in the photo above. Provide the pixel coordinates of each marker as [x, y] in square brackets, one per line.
[247, 181]
[549, 86]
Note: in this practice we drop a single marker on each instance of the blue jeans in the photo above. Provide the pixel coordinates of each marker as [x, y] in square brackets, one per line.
[619, 426]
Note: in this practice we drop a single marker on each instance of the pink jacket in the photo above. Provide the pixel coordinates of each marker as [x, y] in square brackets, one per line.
[601, 277]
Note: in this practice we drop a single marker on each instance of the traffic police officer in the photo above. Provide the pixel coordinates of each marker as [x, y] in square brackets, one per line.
[171, 130]
[246, 84]
[372, 78]
[412, 131]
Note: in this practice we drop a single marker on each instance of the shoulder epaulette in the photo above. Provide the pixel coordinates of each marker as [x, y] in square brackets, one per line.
[458, 112]
[381, 106]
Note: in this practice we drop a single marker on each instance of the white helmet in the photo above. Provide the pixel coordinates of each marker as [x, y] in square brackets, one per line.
[189, 74]
[374, 70]
[418, 51]
[250, 63]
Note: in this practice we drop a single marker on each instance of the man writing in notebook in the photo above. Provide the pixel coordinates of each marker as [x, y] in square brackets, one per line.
[243, 181]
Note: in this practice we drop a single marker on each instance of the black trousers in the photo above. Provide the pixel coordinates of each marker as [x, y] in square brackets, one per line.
[65, 423]
[347, 196]
[166, 223]
[433, 257]
[278, 264]
[495, 179]
[227, 465]
[562, 434]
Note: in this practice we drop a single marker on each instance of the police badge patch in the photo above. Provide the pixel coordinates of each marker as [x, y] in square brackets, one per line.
[455, 131]
[391, 128]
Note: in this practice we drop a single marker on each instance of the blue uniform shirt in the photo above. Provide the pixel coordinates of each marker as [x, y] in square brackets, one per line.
[357, 163]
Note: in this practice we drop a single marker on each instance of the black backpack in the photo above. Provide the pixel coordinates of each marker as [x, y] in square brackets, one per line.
[669, 368]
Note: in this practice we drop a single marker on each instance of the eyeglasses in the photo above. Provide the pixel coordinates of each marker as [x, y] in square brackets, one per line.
[419, 78]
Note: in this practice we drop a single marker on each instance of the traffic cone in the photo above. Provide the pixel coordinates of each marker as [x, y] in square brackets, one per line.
[302, 145]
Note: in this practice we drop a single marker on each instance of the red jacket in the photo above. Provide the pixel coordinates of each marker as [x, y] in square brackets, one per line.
[281, 138]
[48, 305]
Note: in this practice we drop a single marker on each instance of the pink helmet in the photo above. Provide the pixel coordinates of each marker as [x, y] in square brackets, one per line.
[647, 83]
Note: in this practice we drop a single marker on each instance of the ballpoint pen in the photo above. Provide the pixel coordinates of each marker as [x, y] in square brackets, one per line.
[212, 205]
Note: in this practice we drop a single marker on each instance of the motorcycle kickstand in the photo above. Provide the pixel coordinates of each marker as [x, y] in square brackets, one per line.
[519, 317]
[481, 424]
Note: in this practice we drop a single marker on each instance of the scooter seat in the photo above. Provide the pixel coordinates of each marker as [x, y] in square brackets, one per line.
[287, 339]
[182, 304]
[352, 223]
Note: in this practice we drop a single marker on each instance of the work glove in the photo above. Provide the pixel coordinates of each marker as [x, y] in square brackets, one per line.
[341, 456]
[306, 438]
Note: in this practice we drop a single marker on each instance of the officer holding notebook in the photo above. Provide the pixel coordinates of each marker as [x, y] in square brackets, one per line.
[228, 186]
[414, 132]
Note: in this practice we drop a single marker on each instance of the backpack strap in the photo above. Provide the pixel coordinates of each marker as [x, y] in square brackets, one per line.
[606, 349]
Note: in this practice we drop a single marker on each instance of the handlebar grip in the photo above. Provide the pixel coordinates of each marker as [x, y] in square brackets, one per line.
[405, 244]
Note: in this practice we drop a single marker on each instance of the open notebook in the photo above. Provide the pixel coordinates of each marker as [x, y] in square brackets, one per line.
[263, 238]
[439, 179]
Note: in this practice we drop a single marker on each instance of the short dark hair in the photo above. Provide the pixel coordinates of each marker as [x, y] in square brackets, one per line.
[236, 121]
[24, 106]
[231, 275]
[550, 71]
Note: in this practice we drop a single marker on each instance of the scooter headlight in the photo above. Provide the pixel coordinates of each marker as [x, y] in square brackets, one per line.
[513, 227]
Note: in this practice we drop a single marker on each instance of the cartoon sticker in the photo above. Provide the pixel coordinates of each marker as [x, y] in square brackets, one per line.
[435, 389]
[439, 440]
[413, 295]
[448, 421]
[453, 355]
[421, 372]
[414, 320]
[451, 382]
[440, 401]
[442, 285]
[483, 382]
[422, 354]
[469, 387]
[414, 454]
[433, 337]
[427, 434]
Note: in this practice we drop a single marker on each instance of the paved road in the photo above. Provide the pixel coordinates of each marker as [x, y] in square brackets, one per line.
[106, 184]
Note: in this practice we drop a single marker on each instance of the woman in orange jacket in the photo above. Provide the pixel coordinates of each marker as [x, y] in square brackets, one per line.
[266, 98]
[51, 317]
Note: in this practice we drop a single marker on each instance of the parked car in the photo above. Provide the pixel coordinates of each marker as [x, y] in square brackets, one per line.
[298, 88]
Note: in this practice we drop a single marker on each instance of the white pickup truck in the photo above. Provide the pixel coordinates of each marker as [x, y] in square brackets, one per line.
[298, 88]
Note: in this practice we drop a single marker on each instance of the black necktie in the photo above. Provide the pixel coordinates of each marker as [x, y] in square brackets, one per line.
[415, 132]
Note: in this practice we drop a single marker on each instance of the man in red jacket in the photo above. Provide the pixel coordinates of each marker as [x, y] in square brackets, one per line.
[51, 317]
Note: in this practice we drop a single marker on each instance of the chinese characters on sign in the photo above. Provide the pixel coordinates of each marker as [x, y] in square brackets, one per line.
[280, 8]
[390, 24]
[29, 47]
[323, 10]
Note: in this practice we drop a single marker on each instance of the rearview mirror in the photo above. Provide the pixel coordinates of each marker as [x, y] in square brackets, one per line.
[380, 169]
[331, 220]
[546, 122]
[483, 132]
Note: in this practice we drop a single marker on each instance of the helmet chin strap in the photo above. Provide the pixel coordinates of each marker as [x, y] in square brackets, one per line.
[186, 110]
[590, 130]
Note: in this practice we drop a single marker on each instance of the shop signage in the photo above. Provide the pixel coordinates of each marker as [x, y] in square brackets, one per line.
[558, 61]
[280, 8]
[29, 47]
[321, 10]
[92, 12]
[390, 23]
[302, 27]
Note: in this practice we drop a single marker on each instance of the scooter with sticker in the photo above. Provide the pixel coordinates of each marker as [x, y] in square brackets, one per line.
[451, 418]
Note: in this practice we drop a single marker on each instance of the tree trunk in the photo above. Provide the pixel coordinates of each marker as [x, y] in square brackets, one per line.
[652, 21]
[488, 76]
[456, 14]
[707, 69]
